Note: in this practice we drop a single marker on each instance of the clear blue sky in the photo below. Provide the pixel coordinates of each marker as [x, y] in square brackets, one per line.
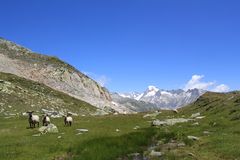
[134, 43]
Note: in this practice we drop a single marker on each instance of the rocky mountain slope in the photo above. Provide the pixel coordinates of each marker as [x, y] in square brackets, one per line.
[52, 72]
[156, 98]
[19, 95]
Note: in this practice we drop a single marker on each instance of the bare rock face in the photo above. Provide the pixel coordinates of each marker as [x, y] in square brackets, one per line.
[52, 72]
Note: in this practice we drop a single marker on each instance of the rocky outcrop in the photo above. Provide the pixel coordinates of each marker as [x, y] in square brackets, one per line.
[52, 72]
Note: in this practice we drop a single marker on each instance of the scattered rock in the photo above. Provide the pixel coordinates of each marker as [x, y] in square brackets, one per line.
[82, 130]
[206, 132]
[136, 127]
[195, 124]
[200, 117]
[170, 122]
[59, 137]
[153, 115]
[7, 117]
[134, 154]
[195, 115]
[158, 123]
[151, 148]
[193, 138]
[155, 154]
[181, 144]
[51, 128]
[79, 133]
[37, 135]
[100, 112]
[74, 114]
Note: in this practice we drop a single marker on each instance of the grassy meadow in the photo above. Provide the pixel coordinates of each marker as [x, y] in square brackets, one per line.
[101, 142]
[217, 130]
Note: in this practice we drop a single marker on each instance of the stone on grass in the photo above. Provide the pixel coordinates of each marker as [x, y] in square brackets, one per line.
[206, 132]
[36, 135]
[155, 154]
[195, 115]
[51, 128]
[195, 124]
[193, 138]
[200, 117]
[181, 144]
[169, 122]
[152, 115]
[82, 130]
[136, 127]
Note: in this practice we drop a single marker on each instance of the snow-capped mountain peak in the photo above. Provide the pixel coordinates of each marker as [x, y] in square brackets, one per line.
[151, 91]
[152, 88]
[164, 98]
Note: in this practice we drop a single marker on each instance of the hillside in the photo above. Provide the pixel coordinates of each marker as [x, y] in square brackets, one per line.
[206, 129]
[212, 123]
[19, 95]
[225, 105]
[52, 72]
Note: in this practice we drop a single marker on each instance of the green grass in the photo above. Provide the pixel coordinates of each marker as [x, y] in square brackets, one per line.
[223, 142]
[101, 142]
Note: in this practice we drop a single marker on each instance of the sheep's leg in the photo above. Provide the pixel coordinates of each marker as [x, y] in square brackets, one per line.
[38, 124]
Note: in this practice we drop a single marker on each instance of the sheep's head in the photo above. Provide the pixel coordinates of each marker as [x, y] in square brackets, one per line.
[69, 114]
[30, 113]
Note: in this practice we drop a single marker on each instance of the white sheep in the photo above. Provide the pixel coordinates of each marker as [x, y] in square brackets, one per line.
[46, 120]
[68, 120]
[33, 119]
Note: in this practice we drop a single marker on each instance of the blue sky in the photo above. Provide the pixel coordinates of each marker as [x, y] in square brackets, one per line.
[130, 44]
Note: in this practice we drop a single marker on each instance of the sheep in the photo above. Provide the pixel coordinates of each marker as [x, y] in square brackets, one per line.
[33, 119]
[68, 120]
[46, 120]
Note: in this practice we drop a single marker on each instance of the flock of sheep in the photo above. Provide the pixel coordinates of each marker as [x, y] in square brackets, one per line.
[35, 120]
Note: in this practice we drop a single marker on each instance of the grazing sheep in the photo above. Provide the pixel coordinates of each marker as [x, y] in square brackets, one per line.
[46, 120]
[33, 119]
[68, 120]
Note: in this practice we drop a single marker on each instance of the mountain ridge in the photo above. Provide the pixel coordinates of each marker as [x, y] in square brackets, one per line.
[159, 98]
[52, 72]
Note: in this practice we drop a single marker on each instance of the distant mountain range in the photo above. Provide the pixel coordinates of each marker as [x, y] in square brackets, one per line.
[154, 98]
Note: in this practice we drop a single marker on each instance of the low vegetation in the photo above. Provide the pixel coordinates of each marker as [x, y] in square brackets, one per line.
[213, 133]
